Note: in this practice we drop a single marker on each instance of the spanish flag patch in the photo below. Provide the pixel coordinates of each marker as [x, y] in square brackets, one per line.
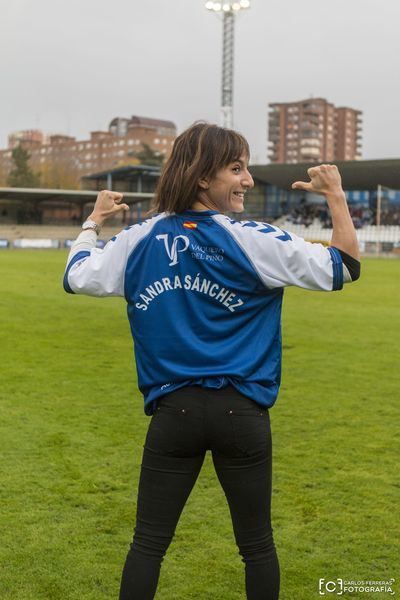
[190, 225]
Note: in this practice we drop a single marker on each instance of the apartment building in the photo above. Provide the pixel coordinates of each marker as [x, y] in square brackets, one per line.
[104, 150]
[313, 130]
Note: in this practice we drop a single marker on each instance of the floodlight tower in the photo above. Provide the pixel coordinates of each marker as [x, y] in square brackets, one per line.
[229, 11]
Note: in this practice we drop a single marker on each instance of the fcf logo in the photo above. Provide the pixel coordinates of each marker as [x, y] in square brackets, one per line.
[174, 249]
[328, 587]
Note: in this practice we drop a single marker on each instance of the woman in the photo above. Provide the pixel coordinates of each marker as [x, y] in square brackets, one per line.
[204, 296]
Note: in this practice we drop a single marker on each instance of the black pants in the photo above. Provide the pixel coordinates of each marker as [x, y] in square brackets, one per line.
[189, 422]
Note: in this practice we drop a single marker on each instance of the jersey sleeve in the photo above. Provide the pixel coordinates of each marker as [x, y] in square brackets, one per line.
[94, 271]
[101, 272]
[281, 258]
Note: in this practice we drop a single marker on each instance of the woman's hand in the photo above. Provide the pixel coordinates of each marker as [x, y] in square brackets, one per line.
[107, 205]
[325, 180]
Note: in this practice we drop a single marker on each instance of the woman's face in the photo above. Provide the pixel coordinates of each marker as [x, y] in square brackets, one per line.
[225, 191]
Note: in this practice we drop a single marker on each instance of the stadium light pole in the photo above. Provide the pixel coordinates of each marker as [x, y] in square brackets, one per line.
[229, 11]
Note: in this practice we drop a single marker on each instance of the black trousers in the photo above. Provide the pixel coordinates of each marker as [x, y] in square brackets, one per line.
[236, 430]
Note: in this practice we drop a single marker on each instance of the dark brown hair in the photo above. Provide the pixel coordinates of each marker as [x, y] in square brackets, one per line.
[198, 153]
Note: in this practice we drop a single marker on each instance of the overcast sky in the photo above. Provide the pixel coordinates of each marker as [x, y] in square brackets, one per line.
[70, 66]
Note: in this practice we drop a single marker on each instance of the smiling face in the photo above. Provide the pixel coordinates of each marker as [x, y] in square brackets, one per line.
[225, 191]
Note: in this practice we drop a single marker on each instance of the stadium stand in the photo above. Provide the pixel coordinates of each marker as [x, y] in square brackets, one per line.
[369, 233]
[272, 200]
[369, 236]
[54, 232]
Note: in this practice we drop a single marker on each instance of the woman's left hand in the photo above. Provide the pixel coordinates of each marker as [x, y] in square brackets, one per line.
[107, 205]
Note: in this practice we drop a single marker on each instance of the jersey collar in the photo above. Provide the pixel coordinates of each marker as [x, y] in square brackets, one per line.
[198, 213]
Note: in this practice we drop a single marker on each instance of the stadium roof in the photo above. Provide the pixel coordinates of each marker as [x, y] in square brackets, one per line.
[81, 197]
[75, 196]
[356, 174]
[126, 172]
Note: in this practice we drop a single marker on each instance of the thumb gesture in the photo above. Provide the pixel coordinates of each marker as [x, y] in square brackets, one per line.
[325, 180]
[302, 185]
[107, 205]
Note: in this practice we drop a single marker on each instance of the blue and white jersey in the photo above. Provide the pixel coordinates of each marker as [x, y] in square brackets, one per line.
[204, 296]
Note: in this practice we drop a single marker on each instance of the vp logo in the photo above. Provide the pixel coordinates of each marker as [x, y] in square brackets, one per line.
[174, 249]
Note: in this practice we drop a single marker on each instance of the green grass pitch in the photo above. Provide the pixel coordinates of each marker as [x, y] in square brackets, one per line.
[72, 428]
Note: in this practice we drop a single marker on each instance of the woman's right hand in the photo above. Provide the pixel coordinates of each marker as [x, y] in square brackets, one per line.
[325, 180]
[107, 205]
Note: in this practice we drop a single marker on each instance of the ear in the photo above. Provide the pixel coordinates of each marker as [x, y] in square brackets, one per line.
[203, 183]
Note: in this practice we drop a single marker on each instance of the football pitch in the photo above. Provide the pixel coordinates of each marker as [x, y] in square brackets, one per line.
[72, 428]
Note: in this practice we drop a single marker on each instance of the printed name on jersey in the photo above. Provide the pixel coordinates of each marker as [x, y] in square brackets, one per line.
[194, 284]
